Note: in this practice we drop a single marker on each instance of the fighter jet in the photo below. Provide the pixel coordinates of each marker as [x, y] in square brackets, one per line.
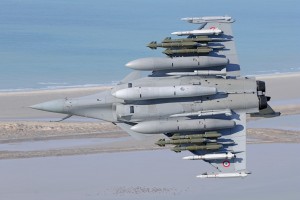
[198, 101]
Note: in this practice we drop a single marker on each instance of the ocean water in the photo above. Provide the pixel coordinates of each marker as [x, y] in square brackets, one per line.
[60, 43]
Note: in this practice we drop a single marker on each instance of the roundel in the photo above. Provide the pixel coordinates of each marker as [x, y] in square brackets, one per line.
[226, 163]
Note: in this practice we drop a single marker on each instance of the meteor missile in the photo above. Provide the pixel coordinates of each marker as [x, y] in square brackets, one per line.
[177, 125]
[226, 112]
[209, 146]
[200, 73]
[224, 175]
[195, 39]
[143, 93]
[199, 50]
[154, 45]
[152, 64]
[163, 142]
[210, 134]
[211, 31]
[217, 156]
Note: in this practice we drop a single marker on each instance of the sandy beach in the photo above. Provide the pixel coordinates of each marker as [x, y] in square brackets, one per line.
[20, 124]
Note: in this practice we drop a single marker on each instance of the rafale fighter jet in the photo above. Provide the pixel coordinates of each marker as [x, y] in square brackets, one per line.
[195, 96]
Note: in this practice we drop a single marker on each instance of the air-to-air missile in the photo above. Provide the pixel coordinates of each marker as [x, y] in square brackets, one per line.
[199, 50]
[200, 20]
[210, 135]
[178, 45]
[226, 112]
[200, 73]
[215, 156]
[178, 124]
[224, 175]
[143, 93]
[156, 63]
[204, 39]
[208, 146]
[211, 31]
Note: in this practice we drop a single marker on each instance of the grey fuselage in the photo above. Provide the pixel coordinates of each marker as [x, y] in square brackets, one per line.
[235, 94]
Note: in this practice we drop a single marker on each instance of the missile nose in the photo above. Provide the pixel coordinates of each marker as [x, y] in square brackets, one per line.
[51, 106]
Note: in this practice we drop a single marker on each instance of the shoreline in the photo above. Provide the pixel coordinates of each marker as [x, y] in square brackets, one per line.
[107, 86]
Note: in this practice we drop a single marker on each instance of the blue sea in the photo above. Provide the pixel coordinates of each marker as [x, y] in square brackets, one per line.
[48, 44]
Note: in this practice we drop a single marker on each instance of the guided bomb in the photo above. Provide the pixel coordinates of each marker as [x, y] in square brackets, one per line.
[163, 142]
[210, 134]
[199, 50]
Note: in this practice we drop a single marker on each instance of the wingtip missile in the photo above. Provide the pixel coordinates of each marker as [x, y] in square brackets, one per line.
[200, 20]
[216, 156]
[224, 175]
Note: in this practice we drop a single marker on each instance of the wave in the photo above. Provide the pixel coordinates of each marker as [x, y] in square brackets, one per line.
[52, 83]
[55, 87]
[274, 71]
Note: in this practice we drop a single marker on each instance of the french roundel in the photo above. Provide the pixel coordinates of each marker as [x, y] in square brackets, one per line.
[226, 163]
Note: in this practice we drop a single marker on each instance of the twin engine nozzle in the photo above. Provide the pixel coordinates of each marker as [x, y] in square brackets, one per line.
[263, 100]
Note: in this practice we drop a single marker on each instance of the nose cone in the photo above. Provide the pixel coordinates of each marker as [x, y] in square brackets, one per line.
[135, 64]
[56, 106]
[141, 64]
[137, 128]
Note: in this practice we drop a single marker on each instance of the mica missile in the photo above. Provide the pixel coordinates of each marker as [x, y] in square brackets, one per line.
[217, 156]
[211, 31]
[200, 20]
[156, 63]
[144, 93]
[224, 175]
[178, 125]
[210, 146]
